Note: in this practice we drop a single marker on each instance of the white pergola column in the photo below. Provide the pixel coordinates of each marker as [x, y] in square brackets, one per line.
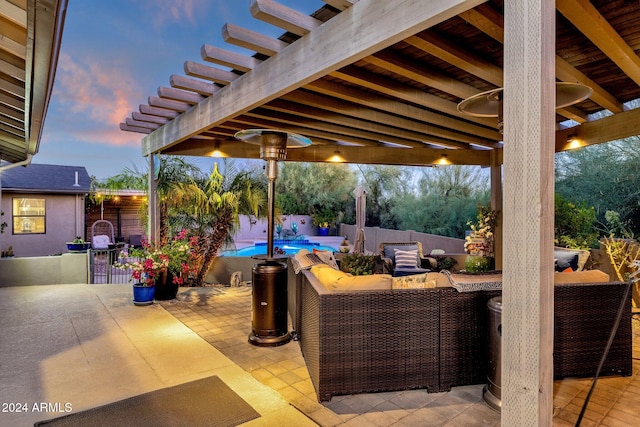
[153, 227]
[529, 124]
[496, 204]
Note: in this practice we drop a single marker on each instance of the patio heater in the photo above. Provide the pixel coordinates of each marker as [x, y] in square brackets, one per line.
[269, 277]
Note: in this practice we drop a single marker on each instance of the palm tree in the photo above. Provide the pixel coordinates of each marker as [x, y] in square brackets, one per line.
[210, 208]
[173, 169]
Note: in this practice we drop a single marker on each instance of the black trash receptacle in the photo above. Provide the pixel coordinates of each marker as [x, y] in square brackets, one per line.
[269, 304]
[492, 392]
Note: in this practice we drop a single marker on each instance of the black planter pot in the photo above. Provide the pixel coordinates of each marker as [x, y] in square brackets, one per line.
[165, 288]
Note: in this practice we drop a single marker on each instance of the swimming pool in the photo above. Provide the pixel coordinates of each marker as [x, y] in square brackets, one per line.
[290, 247]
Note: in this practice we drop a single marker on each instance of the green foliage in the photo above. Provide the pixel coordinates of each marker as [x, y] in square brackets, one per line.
[615, 226]
[358, 264]
[574, 224]
[604, 176]
[444, 263]
[315, 189]
[446, 199]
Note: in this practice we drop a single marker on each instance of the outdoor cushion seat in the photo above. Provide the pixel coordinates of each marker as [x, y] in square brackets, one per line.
[403, 259]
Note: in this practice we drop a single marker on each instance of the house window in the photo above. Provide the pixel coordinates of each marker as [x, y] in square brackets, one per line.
[28, 216]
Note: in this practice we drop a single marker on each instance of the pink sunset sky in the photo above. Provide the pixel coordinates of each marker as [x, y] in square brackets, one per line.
[114, 55]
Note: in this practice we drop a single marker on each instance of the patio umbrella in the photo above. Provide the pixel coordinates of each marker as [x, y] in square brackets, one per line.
[361, 202]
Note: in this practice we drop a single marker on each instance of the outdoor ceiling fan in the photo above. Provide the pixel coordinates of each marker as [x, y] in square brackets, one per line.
[489, 103]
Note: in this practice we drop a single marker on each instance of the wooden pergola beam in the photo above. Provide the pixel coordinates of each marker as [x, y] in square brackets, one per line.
[277, 77]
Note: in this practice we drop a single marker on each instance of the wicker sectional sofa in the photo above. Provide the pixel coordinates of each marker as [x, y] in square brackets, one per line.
[437, 338]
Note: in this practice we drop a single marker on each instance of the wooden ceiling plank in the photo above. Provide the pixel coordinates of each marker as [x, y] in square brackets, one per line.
[337, 106]
[12, 113]
[206, 72]
[12, 101]
[179, 95]
[586, 18]
[193, 85]
[347, 132]
[334, 39]
[158, 111]
[12, 89]
[371, 100]
[419, 73]
[340, 4]
[491, 23]
[487, 20]
[390, 87]
[229, 59]
[168, 104]
[125, 127]
[13, 13]
[248, 121]
[454, 55]
[16, 131]
[252, 40]
[573, 113]
[11, 118]
[149, 118]
[13, 47]
[567, 73]
[283, 17]
[12, 71]
[392, 129]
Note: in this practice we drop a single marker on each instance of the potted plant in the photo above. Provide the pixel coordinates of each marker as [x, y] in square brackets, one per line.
[145, 265]
[163, 267]
[181, 252]
[323, 221]
[359, 264]
[78, 245]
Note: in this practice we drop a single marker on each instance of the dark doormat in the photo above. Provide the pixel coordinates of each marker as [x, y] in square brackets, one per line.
[205, 402]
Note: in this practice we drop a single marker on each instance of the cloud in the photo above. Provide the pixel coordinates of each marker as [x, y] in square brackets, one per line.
[176, 11]
[99, 95]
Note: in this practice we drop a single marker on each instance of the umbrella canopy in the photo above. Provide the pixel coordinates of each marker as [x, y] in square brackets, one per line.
[361, 208]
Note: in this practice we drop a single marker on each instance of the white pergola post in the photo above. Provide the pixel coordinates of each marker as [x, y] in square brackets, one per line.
[153, 227]
[496, 204]
[529, 135]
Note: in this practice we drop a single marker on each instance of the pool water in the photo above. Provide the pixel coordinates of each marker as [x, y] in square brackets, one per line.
[290, 247]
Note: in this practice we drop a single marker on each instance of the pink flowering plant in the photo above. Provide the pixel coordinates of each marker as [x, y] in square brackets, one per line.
[182, 252]
[481, 239]
[178, 256]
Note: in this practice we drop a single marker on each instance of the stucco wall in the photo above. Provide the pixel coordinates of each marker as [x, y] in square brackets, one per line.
[64, 220]
[48, 270]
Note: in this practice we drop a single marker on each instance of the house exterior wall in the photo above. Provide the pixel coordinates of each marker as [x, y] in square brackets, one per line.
[64, 219]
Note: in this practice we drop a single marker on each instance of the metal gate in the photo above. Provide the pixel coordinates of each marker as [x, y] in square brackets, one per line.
[102, 269]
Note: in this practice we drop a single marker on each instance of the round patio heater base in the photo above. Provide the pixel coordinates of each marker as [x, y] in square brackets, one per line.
[269, 305]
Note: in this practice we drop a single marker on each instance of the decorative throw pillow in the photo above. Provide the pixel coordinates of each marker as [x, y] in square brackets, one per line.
[406, 259]
[327, 257]
[414, 281]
